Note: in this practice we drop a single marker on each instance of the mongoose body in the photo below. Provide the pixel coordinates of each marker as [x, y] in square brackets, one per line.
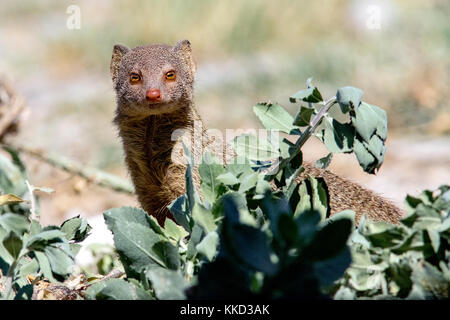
[154, 93]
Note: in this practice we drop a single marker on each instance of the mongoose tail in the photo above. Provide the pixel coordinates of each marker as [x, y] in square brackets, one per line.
[345, 194]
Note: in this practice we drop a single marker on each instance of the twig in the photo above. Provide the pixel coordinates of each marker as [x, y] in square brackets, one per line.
[93, 175]
[314, 123]
[11, 115]
[34, 215]
[11, 106]
[114, 274]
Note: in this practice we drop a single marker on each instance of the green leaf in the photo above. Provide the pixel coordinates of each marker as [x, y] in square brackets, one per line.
[42, 239]
[116, 289]
[313, 196]
[248, 182]
[168, 284]
[12, 180]
[262, 185]
[248, 244]
[13, 244]
[168, 253]
[363, 281]
[329, 270]
[414, 241]
[14, 222]
[435, 239]
[423, 217]
[369, 144]
[204, 218]
[254, 148]
[16, 160]
[311, 95]
[336, 136]
[208, 245]
[191, 191]
[174, 231]
[286, 148]
[5, 258]
[26, 267]
[349, 98]
[431, 280]
[60, 257]
[228, 179]
[383, 234]
[129, 214]
[134, 240]
[303, 117]
[75, 248]
[76, 229]
[44, 265]
[329, 241]
[368, 121]
[240, 167]
[35, 227]
[366, 160]
[179, 210]
[412, 202]
[324, 162]
[307, 225]
[360, 256]
[346, 214]
[273, 208]
[241, 204]
[209, 170]
[287, 229]
[274, 117]
[196, 236]
[155, 225]
[344, 293]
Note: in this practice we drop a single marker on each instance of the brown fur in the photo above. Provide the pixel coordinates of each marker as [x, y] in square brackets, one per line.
[146, 132]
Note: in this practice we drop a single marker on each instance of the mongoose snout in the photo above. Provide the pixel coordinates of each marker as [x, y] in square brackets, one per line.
[153, 95]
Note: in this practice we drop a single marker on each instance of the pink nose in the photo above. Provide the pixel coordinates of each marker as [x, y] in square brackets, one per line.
[153, 95]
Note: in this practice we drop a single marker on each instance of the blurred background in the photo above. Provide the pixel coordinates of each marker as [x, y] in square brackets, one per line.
[247, 52]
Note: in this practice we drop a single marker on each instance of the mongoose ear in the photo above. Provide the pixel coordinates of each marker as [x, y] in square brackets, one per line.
[117, 55]
[184, 47]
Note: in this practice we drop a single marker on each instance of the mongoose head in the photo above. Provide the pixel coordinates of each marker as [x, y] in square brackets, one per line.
[152, 79]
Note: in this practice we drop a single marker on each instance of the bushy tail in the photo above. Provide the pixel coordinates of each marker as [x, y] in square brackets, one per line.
[345, 194]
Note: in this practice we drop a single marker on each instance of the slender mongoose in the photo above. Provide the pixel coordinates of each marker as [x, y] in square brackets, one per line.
[154, 94]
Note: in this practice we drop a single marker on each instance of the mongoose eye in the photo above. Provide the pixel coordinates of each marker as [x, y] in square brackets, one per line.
[170, 75]
[134, 77]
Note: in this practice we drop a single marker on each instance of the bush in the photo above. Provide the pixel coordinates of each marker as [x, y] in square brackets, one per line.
[254, 232]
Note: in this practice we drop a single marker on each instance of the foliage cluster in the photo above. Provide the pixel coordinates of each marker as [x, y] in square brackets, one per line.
[251, 231]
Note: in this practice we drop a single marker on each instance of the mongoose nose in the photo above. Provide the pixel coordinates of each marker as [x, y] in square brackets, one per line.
[153, 95]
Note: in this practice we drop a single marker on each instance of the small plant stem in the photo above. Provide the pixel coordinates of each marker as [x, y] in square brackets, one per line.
[314, 123]
[34, 214]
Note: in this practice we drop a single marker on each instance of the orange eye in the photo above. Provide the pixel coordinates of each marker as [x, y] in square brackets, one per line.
[134, 77]
[170, 75]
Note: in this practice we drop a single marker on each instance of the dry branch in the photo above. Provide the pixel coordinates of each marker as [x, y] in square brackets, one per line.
[11, 107]
[92, 175]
